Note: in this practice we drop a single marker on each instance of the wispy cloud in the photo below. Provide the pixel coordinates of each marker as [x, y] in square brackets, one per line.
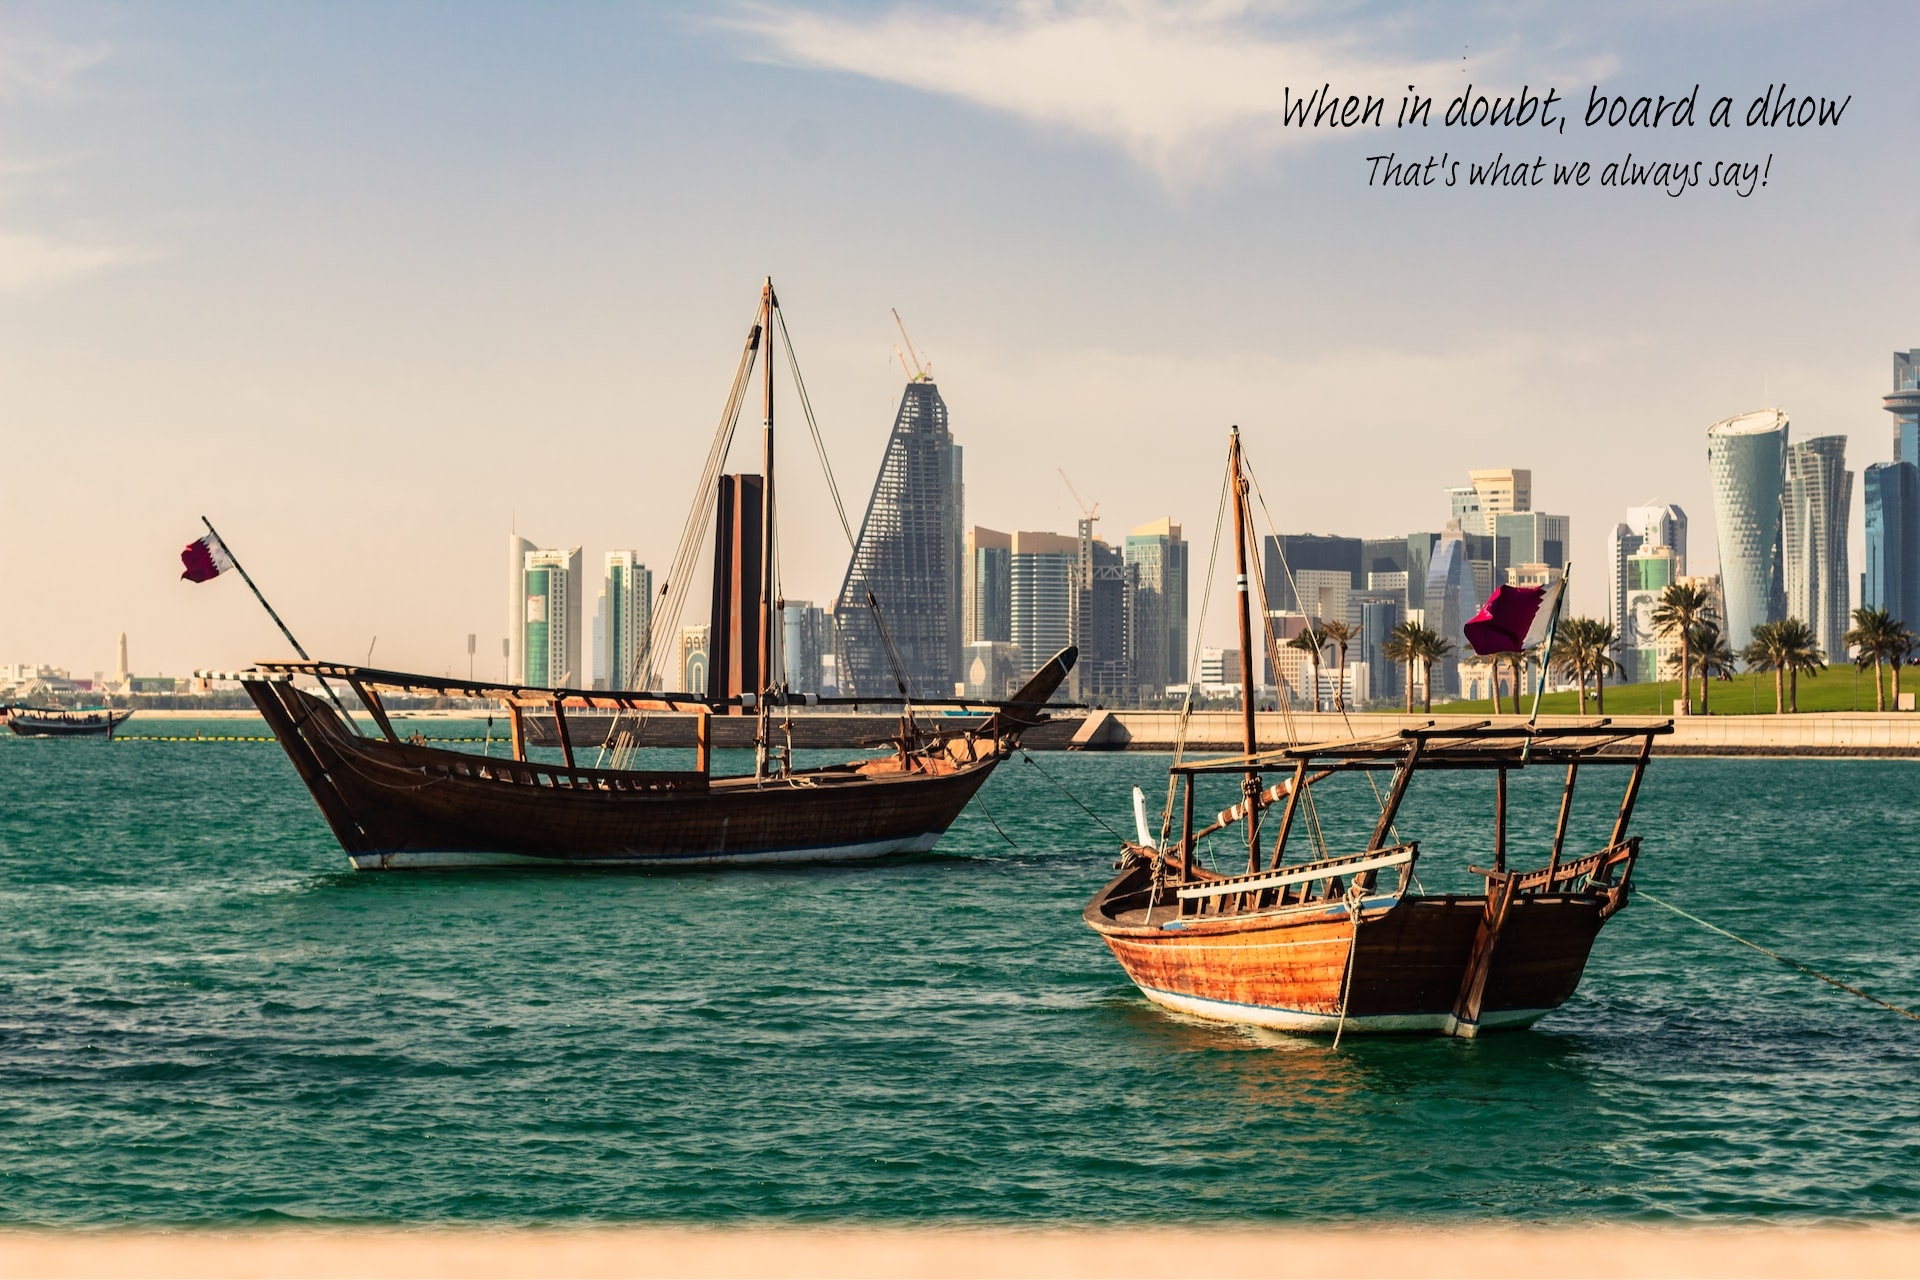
[33, 68]
[29, 262]
[1188, 91]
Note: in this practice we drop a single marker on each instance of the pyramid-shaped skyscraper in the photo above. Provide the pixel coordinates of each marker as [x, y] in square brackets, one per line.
[909, 556]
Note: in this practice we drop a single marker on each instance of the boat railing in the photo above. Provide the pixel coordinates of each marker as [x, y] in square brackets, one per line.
[1273, 888]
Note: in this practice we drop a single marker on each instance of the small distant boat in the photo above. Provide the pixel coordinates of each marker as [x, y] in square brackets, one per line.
[43, 722]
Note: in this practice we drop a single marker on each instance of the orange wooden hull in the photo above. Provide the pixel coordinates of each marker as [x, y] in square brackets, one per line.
[1409, 957]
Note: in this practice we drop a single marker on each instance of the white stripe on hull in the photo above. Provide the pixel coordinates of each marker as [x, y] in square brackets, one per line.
[461, 859]
[1299, 1020]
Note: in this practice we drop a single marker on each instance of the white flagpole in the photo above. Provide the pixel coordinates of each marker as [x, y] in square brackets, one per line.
[1540, 682]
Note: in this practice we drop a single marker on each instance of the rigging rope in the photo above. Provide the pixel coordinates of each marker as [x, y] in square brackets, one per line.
[1775, 955]
[1279, 549]
[1354, 897]
[1069, 794]
[894, 660]
[1193, 674]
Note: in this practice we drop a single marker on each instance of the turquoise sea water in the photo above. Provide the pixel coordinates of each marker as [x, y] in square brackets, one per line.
[206, 1017]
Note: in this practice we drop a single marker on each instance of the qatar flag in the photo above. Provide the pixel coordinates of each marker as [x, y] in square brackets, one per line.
[1514, 619]
[206, 558]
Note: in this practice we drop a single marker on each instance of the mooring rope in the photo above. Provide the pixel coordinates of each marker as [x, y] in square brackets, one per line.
[1354, 897]
[1775, 955]
[982, 806]
[1069, 795]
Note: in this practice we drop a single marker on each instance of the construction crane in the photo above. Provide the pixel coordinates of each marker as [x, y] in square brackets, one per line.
[1087, 516]
[917, 372]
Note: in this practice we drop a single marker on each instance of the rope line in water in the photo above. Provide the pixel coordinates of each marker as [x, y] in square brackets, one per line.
[982, 806]
[1069, 795]
[1775, 955]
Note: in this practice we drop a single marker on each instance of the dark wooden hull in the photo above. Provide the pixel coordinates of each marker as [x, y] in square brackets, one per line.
[29, 724]
[1410, 958]
[396, 805]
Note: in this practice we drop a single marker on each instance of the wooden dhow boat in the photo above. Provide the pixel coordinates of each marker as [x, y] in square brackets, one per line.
[1348, 941]
[42, 722]
[397, 803]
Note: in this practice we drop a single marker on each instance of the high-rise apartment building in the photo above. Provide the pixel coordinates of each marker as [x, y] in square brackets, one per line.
[1747, 463]
[626, 621]
[1103, 621]
[1157, 553]
[550, 639]
[693, 657]
[1815, 507]
[1300, 552]
[805, 640]
[909, 556]
[1045, 584]
[1648, 527]
[517, 548]
[1891, 578]
[1502, 491]
[989, 587]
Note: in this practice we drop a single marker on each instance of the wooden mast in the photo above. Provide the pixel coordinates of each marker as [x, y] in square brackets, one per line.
[762, 734]
[1249, 733]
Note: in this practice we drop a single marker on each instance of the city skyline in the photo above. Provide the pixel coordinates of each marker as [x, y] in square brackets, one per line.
[386, 251]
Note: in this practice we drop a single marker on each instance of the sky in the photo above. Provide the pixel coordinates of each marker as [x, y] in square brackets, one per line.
[371, 286]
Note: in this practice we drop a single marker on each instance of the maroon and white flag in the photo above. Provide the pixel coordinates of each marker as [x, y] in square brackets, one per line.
[205, 558]
[1514, 619]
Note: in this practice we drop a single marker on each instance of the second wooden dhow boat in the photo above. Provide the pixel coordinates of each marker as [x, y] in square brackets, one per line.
[1348, 941]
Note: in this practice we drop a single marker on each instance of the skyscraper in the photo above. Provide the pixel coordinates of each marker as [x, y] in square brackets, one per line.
[1891, 580]
[627, 619]
[1502, 492]
[551, 638]
[803, 629]
[1904, 405]
[1043, 593]
[1446, 603]
[517, 548]
[1298, 552]
[1747, 461]
[989, 594]
[1815, 508]
[1649, 527]
[1158, 554]
[909, 555]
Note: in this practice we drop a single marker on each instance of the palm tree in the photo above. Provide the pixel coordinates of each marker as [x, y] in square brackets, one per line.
[1713, 657]
[1432, 650]
[1903, 644]
[1873, 640]
[1573, 653]
[1600, 636]
[1403, 645]
[1311, 642]
[1787, 648]
[1683, 607]
[1341, 634]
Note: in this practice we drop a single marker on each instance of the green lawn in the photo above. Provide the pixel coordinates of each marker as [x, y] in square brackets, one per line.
[1836, 689]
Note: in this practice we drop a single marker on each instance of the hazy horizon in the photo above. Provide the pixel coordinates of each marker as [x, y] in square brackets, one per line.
[370, 287]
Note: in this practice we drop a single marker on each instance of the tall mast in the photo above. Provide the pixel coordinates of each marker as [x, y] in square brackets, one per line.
[1249, 735]
[762, 737]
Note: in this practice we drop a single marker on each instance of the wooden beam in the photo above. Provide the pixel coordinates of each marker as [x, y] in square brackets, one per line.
[1500, 821]
[1398, 793]
[371, 701]
[560, 727]
[1286, 816]
[519, 730]
[1566, 813]
[1501, 888]
[703, 742]
[1633, 793]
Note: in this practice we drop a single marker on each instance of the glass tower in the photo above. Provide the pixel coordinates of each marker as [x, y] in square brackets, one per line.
[1747, 462]
[628, 613]
[1892, 577]
[1158, 553]
[1814, 512]
[909, 556]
